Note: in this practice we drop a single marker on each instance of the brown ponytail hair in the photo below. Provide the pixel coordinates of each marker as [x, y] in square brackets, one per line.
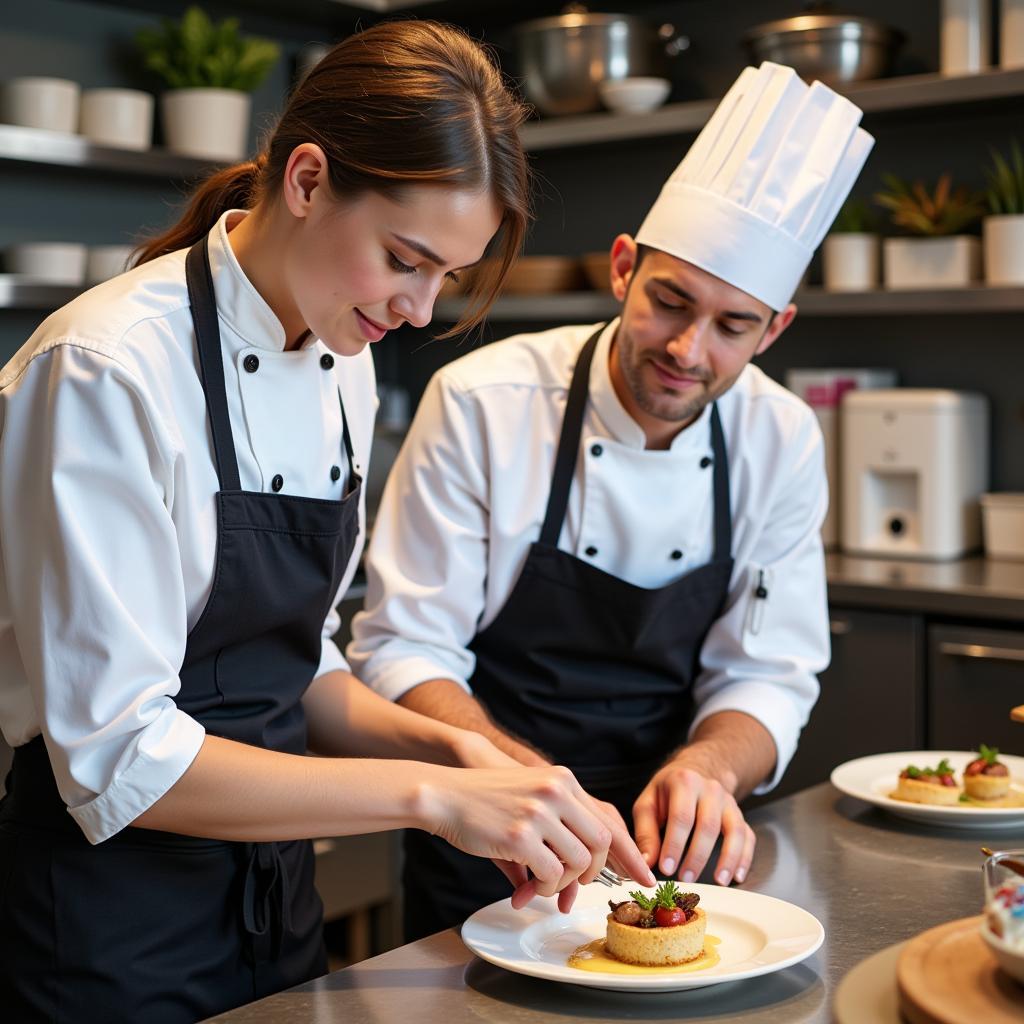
[402, 103]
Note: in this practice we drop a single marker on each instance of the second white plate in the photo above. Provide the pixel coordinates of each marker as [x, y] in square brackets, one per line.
[874, 778]
[759, 934]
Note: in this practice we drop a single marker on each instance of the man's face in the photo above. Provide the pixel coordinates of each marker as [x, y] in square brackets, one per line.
[684, 338]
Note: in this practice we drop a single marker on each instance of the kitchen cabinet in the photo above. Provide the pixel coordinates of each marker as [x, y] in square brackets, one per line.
[975, 676]
[872, 695]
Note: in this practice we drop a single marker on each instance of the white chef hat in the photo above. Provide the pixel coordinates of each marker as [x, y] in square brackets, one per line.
[762, 183]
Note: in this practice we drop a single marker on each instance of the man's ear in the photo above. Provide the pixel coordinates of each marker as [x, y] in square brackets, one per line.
[778, 325]
[624, 251]
[305, 171]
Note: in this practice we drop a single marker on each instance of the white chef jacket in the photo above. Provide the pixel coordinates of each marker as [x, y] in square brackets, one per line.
[468, 493]
[108, 524]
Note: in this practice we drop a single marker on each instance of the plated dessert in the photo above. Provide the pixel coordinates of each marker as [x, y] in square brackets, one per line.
[928, 785]
[986, 777]
[666, 931]
[660, 931]
[986, 783]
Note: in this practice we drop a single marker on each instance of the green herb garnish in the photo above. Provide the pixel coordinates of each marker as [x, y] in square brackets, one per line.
[664, 896]
[989, 754]
[943, 768]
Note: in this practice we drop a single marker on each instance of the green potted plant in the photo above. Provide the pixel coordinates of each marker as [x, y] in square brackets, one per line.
[850, 253]
[937, 253]
[1003, 228]
[210, 70]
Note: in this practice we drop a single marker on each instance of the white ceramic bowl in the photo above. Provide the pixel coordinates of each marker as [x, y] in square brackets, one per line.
[49, 262]
[635, 95]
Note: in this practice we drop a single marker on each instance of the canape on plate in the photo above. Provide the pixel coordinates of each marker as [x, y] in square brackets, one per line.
[663, 930]
[986, 777]
[928, 785]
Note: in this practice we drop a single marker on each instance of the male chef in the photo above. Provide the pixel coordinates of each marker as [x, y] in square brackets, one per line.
[600, 544]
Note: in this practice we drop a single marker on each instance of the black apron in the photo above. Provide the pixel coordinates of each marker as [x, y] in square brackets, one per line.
[157, 927]
[594, 672]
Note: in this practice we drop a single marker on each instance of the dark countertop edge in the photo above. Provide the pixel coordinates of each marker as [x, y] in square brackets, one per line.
[959, 588]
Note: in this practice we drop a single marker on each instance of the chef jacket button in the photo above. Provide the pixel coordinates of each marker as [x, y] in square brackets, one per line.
[706, 461]
[595, 450]
[277, 483]
[591, 551]
[251, 363]
[327, 361]
[335, 473]
[676, 555]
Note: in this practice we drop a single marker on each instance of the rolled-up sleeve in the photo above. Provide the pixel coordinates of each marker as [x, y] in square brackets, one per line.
[427, 560]
[763, 653]
[94, 581]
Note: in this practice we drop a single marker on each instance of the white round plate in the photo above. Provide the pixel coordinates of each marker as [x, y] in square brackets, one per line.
[759, 934]
[874, 778]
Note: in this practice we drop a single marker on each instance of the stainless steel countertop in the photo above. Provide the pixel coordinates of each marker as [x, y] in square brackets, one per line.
[872, 880]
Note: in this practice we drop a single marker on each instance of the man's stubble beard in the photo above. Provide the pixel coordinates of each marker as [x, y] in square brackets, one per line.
[662, 407]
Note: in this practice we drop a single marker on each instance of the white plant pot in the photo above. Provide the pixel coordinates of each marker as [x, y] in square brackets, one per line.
[952, 262]
[106, 261]
[850, 262]
[50, 103]
[212, 123]
[117, 117]
[51, 262]
[1004, 249]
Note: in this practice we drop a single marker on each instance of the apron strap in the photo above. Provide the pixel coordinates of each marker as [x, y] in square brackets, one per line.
[723, 502]
[569, 443]
[211, 362]
[568, 451]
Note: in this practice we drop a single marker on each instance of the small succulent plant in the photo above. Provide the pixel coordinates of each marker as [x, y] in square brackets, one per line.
[855, 217]
[1005, 192]
[942, 211]
[196, 53]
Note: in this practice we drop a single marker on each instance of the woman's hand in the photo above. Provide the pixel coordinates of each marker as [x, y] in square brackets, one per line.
[537, 818]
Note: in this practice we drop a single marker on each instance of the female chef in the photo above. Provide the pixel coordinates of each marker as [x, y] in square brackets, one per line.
[180, 507]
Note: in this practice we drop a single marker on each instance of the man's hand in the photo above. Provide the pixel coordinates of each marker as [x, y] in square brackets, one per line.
[679, 806]
[693, 799]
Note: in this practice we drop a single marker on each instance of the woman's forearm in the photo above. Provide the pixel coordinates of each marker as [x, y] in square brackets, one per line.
[239, 792]
[347, 719]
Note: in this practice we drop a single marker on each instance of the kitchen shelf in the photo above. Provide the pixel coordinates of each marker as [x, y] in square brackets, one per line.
[586, 306]
[566, 307]
[36, 146]
[887, 95]
[19, 293]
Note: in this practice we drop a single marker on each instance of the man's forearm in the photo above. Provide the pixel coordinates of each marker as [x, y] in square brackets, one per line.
[446, 701]
[733, 748]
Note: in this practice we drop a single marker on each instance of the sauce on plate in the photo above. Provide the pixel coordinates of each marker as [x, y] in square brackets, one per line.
[592, 957]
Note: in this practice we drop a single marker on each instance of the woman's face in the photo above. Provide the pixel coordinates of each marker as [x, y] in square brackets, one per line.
[359, 268]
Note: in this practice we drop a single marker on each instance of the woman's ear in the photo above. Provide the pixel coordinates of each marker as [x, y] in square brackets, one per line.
[305, 172]
[624, 252]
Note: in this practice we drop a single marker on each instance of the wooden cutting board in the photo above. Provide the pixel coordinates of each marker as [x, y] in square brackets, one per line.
[947, 975]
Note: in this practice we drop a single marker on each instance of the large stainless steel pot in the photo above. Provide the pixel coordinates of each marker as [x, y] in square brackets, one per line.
[563, 60]
[833, 48]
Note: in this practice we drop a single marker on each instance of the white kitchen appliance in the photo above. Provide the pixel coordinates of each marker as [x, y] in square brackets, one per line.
[915, 463]
[823, 390]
